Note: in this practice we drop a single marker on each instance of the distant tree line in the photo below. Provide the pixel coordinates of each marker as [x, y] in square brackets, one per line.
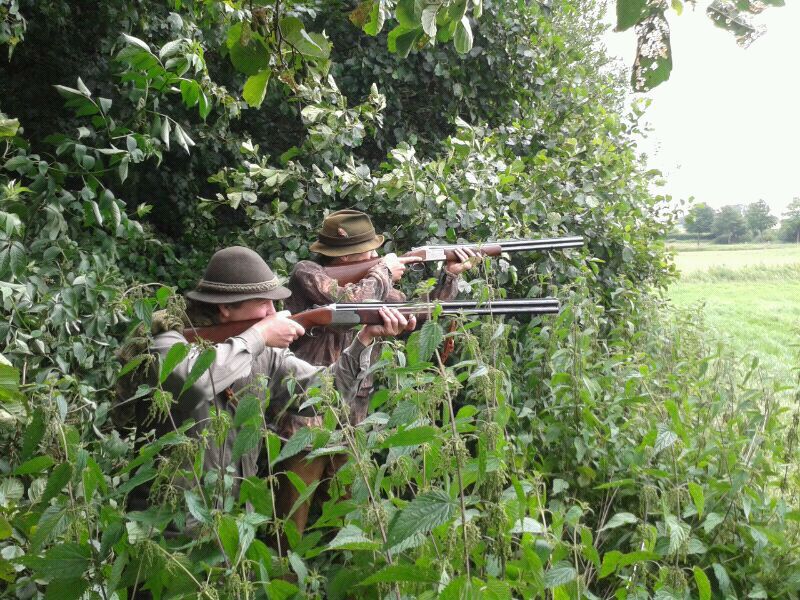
[739, 223]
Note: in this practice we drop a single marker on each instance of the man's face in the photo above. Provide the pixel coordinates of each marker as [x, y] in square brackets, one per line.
[258, 308]
[359, 256]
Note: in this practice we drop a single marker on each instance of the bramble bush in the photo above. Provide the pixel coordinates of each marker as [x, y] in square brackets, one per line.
[609, 451]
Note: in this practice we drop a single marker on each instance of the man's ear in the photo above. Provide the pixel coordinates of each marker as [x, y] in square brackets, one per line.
[224, 310]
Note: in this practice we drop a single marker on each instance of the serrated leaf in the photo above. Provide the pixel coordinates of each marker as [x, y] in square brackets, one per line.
[249, 409]
[425, 512]
[246, 440]
[196, 507]
[407, 14]
[712, 520]
[296, 444]
[723, 579]
[619, 519]
[59, 478]
[165, 131]
[34, 465]
[175, 356]
[463, 36]
[696, 492]
[610, 562]
[430, 336]
[678, 533]
[255, 88]
[351, 537]
[703, 584]
[402, 573]
[200, 366]
[665, 438]
[33, 434]
[11, 490]
[560, 574]
[527, 525]
[65, 561]
[411, 437]
[52, 522]
[190, 92]
[8, 127]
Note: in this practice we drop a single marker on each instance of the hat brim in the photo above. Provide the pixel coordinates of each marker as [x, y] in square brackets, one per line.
[279, 293]
[327, 250]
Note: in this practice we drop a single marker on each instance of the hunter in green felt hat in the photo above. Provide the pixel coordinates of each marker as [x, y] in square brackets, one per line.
[346, 232]
[236, 274]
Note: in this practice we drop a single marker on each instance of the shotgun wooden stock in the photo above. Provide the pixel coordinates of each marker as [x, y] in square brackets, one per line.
[356, 271]
[350, 315]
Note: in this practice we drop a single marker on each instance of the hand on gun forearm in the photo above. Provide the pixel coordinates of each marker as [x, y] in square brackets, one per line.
[394, 323]
[279, 330]
[466, 259]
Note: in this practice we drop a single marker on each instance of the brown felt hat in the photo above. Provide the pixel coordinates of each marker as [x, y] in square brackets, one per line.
[236, 274]
[346, 232]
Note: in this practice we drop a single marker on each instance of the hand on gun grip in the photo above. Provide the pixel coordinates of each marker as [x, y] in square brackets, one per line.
[279, 331]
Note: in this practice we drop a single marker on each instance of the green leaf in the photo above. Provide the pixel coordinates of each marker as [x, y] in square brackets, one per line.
[65, 561]
[610, 562]
[55, 483]
[123, 169]
[246, 441]
[255, 88]
[175, 356]
[196, 507]
[696, 491]
[678, 533]
[429, 19]
[200, 366]
[11, 490]
[407, 14]
[629, 13]
[66, 589]
[703, 584]
[133, 41]
[34, 465]
[250, 58]
[653, 63]
[298, 442]
[229, 535]
[430, 336]
[52, 523]
[248, 411]
[425, 512]
[294, 33]
[8, 127]
[401, 39]
[411, 437]
[619, 519]
[560, 574]
[351, 537]
[463, 36]
[398, 573]
[33, 434]
[190, 92]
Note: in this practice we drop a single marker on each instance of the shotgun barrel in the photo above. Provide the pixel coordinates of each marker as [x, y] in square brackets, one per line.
[366, 313]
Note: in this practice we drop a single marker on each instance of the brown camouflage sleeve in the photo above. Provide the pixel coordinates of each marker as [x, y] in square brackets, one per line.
[311, 281]
[447, 286]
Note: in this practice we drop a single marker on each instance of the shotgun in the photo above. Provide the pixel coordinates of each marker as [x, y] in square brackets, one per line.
[356, 271]
[351, 314]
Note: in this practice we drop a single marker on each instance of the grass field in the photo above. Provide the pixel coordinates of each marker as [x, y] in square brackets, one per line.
[751, 297]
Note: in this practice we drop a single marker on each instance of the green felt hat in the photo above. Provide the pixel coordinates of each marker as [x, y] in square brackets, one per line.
[236, 274]
[346, 232]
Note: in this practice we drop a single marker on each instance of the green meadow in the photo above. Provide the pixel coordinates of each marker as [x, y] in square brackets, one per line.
[750, 296]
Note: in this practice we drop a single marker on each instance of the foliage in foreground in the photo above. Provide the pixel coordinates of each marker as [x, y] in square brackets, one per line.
[652, 467]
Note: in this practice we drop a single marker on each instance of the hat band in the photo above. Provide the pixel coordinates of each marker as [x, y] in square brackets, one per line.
[261, 286]
[351, 240]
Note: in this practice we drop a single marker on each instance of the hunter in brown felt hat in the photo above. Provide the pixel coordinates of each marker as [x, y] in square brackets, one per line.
[346, 232]
[236, 274]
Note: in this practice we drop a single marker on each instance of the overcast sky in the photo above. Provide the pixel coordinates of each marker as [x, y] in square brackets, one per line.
[726, 125]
